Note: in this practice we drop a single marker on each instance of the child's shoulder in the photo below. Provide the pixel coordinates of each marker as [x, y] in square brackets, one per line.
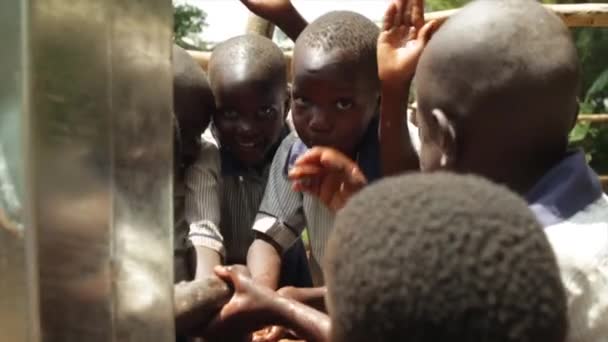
[209, 152]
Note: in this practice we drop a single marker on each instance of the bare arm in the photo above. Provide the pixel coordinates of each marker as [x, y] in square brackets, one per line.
[404, 35]
[206, 260]
[310, 324]
[313, 297]
[396, 150]
[254, 306]
[281, 13]
[197, 302]
[264, 262]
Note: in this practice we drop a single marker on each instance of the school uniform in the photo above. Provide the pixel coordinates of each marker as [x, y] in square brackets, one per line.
[284, 213]
[568, 201]
[222, 199]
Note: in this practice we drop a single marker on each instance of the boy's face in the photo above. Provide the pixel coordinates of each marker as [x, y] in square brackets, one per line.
[333, 100]
[250, 116]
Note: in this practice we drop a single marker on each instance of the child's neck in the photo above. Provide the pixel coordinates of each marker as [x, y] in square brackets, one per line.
[519, 173]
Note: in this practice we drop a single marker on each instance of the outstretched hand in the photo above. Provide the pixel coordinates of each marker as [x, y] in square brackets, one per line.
[248, 309]
[327, 174]
[404, 35]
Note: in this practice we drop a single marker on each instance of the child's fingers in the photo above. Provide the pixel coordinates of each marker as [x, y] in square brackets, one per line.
[330, 187]
[310, 186]
[389, 17]
[427, 31]
[335, 161]
[417, 13]
[356, 180]
[406, 12]
[223, 273]
[311, 156]
[304, 171]
[398, 19]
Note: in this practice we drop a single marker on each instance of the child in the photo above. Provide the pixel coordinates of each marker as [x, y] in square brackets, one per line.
[193, 105]
[226, 184]
[451, 258]
[509, 121]
[195, 302]
[335, 102]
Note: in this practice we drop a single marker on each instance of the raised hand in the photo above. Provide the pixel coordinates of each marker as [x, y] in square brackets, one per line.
[403, 37]
[328, 174]
[268, 9]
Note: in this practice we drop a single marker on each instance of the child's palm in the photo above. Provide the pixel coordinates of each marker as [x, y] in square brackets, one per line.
[404, 35]
[397, 54]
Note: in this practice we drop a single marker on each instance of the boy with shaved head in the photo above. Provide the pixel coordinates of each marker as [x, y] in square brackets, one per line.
[225, 186]
[497, 93]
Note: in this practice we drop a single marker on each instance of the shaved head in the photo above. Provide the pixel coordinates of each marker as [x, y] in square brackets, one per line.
[193, 105]
[250, 58]
[506, 75]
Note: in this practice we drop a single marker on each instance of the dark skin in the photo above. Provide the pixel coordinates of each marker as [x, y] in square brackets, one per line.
[250, 115]
[254, 306]
[333, 104]
[336, 177]
[281, 13]
[472, 132]
[400, 44]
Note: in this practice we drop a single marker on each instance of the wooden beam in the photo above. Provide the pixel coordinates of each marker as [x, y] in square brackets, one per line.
[593, 117]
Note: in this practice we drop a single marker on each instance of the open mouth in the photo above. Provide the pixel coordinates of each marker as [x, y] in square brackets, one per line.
[250, 144]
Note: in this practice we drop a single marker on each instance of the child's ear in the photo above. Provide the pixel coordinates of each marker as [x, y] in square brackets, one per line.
[447, 138]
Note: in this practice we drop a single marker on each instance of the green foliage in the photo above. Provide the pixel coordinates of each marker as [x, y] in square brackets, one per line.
[188, 21]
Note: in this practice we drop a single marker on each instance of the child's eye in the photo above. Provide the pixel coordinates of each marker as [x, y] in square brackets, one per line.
[230, 114]
[267, 112]
[301, 101]
[344, 104]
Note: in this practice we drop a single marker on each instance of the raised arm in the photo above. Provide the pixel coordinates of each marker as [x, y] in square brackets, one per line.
[400, 44]
[281, 13]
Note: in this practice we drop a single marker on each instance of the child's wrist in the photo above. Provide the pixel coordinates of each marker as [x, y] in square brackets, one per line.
[395, 92]
[396, 86]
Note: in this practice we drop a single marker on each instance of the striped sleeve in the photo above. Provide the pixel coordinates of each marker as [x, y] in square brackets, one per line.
[281, 215]
[203, 200]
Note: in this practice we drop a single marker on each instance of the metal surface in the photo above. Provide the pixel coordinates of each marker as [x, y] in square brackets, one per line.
[94, 109]
[18, 310]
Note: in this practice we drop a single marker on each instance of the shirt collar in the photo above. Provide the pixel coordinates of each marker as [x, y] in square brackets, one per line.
[368, 152]
[566, 189]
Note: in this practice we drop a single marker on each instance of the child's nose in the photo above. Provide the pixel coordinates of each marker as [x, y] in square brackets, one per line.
[246, 127]
[319, 122]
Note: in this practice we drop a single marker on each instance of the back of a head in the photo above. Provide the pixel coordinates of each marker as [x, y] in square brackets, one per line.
[193, 104]
[351, 33]
[249, 57]
[192, 98]
[442, 257]
[509, 66]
